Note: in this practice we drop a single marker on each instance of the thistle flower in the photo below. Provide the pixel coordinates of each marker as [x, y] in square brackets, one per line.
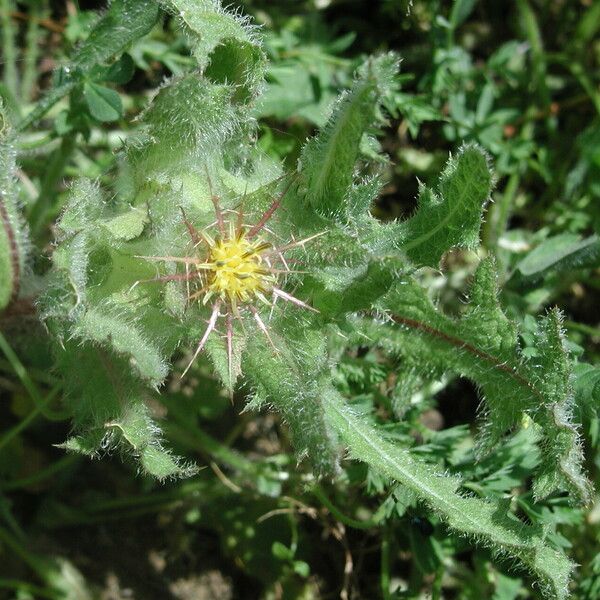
[234, 268]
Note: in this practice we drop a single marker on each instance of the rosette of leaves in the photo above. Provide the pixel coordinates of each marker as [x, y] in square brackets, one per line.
[118, 331]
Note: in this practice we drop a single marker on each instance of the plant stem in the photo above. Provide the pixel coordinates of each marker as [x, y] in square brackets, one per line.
[66, 461]
[534, 37]
[385, 579]
[36, 374]
[45, 104]
[583, 328]
[29, 419]
[337, 513]
[499, 213]
[35, 563]
[9, 56]
[36, 10]
[204, 443]
[54, 172]
[29, 385]
[30, 589]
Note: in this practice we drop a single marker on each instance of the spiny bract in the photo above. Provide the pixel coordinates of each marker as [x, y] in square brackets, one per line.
[235, 266]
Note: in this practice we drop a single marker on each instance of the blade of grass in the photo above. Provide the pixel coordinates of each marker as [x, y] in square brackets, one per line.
[30, 418]
[9, 51]
[28, 383]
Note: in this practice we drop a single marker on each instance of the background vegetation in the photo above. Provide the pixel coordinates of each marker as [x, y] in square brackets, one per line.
[520, 79]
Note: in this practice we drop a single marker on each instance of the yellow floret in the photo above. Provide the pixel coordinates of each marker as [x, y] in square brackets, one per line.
[238, 271]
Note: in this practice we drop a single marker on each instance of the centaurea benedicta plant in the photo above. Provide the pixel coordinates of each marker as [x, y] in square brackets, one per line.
[116, 337]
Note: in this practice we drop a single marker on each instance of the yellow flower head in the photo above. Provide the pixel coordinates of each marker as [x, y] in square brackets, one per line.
[235, 267]
[239, 271]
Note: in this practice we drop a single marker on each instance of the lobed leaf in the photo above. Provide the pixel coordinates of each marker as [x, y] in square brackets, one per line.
[115, 327]
[225, 44]
[483, 346]
[110, 408]
[451, 215]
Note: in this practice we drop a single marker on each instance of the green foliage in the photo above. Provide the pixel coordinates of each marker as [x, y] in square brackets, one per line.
[123, 23]
[362, 353]
[110, 409]
[224, 44]
[102, 253]
[470, 516]
[483, 346]
[281, 381]
[328, 160]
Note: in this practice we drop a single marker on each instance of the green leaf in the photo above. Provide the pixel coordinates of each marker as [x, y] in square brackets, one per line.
[189, 119]
[103, 103]
[587, 385]
[123, 23]
[484, 522]
[560, 253]
[461, 9]
[329, 159]
[127, 225]
[110, 411]
[352, 289]
[279, 378]
[451, 215]
[281, 551]
[110, 325]
[587, 395]
[483, 346]
[225, 45]
[301, 568]
[121, 71]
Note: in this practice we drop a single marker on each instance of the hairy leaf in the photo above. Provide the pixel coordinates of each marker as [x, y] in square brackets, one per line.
[110, 407]
[329, 159]
[451, 215]
[224, 43]
[483, 346]
[189, 119]
[116, 327]
[485, 522]
[280, 378]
